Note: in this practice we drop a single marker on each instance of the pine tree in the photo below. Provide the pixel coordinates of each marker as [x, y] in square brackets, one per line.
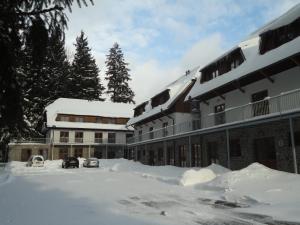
[15, 19]
[118, 76]
[36, 77]
[85, 73]
[59, 67]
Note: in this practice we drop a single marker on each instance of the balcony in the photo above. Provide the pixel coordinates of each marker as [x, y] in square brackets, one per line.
[78, 140]
[284, 103]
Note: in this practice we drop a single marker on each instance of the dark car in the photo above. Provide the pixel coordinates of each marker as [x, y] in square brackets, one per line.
[70, 162]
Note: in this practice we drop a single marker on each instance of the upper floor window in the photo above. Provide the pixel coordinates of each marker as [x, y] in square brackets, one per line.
[79, 119]
[111, 137]
[98, 137]
[64, 136]
[78, 137]
[235, 148]
[165, 129]
[219, 114]
[151, 134]
[272, 39]
[223, 65]
[140, 135]
[64, 118]
[260, 105]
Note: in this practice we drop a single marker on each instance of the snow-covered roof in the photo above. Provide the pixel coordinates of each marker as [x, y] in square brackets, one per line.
[87, 108]
[253, 60]
[176, 88]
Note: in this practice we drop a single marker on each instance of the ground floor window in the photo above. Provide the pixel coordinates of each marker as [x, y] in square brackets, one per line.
[196, 157]
[265, 152]
[182, 156]
[62, 153]
[78, 152]
[235, 148]
[25, 155]
[212, 152]
[111, 154]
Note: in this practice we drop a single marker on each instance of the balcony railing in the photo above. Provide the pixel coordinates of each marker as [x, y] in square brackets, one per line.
[32, 140]
[271, 106]
[64, 139]
[78, 140]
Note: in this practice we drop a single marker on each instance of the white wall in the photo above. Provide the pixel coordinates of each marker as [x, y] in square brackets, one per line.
[283, 82]
[88, 135]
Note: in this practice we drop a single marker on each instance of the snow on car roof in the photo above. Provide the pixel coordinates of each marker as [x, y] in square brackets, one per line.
[253, 60]
[88, 108]
[175, 90]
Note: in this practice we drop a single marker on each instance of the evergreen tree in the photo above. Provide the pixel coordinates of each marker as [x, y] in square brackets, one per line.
[118, 76]
[59, 67]
[85, 73]
[36, 77]
[15, 19]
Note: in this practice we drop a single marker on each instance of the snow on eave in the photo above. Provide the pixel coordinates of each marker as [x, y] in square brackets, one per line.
[176, 88]
[86, 108]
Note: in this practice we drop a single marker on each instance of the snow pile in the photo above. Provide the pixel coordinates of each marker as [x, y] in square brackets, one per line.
[268, 191]
[203, 175]
[168, 174]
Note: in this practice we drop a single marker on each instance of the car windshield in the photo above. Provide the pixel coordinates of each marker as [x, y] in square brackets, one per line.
[38, 159]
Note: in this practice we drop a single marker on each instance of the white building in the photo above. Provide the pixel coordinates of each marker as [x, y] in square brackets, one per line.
[248, 101]
[79, 128]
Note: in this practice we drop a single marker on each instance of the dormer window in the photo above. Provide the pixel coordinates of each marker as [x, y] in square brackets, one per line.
[160, 99]
[140, 109]
[228, 62]
[272, 39]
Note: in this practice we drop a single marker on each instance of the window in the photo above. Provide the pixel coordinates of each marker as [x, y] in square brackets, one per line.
[111, 120]
[62, 153]
[98, 137]
[223, 65]
[140, 135]
[140, 109]
[129, 137]
[64, 136]
[78, 137]
[111, 137]
[161, 98]
[151, 134]
[235, 148]
[165, 129]
[64, 118]
[79, 119]
[98, 120]
[260, 106]
[219, 114]
[274, 38]
[78, 152]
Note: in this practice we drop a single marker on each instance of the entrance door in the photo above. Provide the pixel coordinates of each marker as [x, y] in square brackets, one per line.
[151, 158]
[26, 153]
[212, 152]
[264, 152]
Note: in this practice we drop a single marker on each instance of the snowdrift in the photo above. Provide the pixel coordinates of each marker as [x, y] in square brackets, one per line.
[203, 175]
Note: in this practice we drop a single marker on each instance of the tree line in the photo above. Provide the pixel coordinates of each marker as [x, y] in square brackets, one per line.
[35, 69]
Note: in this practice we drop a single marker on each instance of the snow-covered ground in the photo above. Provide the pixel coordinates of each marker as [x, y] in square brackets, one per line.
[127, 192]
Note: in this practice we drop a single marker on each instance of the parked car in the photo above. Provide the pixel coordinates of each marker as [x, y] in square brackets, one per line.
[91, 162]
[35, 160]
[70, 162]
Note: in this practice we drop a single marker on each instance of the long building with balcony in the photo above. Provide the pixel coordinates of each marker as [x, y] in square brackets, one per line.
[79, 128]
[244, 107]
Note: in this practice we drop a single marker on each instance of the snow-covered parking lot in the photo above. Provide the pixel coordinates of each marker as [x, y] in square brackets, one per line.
[127, 192]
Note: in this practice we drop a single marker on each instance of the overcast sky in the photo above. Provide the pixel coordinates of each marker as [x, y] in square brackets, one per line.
[161, 39]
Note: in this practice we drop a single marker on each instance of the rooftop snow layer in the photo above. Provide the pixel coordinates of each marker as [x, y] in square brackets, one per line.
[175, 90]
[253, 60]
[88, 108]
